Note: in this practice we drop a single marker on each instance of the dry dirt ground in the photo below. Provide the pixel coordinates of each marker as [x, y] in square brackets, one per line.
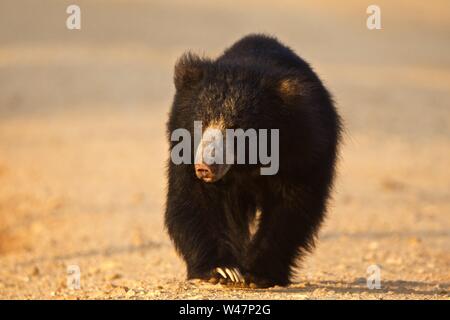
[82, 145]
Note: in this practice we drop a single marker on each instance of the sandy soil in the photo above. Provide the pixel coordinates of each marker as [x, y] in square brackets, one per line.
[82, 146]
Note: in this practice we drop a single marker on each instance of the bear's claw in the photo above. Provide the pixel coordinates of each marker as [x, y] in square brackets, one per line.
[232, 274]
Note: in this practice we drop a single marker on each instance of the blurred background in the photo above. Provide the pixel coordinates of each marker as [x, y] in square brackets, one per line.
[82, 143]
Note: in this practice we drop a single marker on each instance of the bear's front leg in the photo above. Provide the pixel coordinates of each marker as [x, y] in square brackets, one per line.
[196, 223]
[286, 231]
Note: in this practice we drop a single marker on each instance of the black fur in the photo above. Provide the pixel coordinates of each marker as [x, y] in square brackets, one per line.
[256, 83]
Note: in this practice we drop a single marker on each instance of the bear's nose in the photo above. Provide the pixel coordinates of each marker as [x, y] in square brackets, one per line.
[204, 172]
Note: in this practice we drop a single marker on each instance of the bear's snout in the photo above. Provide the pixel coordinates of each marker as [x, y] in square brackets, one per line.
[210, 173]
[205, 172]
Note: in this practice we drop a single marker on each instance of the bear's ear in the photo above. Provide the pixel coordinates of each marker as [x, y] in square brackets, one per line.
[189, 70]
[289, 88]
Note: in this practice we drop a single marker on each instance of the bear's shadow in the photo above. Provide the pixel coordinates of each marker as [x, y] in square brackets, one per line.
[358, 286]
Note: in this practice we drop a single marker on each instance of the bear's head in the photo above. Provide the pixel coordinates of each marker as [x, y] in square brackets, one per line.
[226, 97]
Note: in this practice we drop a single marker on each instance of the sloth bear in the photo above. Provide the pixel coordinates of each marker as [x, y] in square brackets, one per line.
[257, 83]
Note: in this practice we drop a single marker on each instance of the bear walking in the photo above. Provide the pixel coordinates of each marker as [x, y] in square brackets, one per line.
[258, 83]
